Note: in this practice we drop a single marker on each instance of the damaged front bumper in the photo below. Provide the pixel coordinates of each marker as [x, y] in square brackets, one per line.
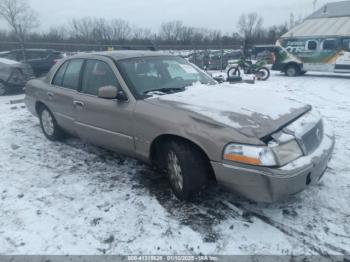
[276, 184]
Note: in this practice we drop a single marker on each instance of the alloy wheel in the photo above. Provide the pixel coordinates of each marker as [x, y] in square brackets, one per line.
[175, 171]
[48, 124]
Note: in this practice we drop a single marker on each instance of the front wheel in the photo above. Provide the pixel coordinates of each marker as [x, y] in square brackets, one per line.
[49, 125]
[187, 169]
[292, 70]
[263, 74]
[233, 71]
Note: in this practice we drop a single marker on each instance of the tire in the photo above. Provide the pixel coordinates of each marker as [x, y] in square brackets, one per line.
[233, 71]
[49, 125]
[187, 168]
[3, 89]
[292, 70]
[263, 73]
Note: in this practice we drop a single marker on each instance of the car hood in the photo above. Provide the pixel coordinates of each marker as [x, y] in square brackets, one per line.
[250, 110]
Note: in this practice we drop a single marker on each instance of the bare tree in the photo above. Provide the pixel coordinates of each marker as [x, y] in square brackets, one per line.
[249, 25]
[186, 35]
[121, 29]
[82, 28]
[275, 32]
[20, 17]
[171, 31]
[55, 34]
[139, 33]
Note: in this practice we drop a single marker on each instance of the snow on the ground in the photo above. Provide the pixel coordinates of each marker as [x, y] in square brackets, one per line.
[72, 198]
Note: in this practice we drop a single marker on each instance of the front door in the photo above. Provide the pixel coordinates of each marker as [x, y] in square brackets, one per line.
[343, 62]
[104, 122]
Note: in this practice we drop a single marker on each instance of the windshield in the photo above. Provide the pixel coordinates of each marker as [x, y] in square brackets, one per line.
[160, 74]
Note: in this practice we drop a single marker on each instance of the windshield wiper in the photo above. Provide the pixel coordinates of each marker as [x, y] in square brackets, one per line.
[166, 90]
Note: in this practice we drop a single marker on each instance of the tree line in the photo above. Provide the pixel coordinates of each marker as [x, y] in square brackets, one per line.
[22, 20]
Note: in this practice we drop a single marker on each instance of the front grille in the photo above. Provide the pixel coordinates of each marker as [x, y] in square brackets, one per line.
[312, 139]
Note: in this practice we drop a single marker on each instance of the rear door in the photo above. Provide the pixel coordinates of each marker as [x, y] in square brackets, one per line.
[104, 122]
[343, 62]
[60, 96]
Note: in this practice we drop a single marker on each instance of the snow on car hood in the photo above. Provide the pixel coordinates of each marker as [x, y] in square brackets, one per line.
[248, 109]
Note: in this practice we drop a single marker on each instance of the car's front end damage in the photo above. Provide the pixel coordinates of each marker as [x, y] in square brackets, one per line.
[261, 145]
[295, 158]
[14, 75]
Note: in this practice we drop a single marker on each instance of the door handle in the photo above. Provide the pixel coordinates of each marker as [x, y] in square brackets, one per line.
[78, 104]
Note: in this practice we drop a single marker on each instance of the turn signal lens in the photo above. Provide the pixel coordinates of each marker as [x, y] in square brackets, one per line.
[251, 155]
[243, 159]
[269, 156]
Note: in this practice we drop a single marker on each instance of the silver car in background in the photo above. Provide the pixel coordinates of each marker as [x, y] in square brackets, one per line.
[13, 75]
[164, 111]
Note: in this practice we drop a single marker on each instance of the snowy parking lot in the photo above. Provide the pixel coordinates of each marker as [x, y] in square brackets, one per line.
[73, 198]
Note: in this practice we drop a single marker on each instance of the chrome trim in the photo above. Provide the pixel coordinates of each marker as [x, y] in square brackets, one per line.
[104, 130]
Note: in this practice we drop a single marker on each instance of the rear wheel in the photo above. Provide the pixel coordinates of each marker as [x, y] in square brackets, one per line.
[49, 125]
[187, 169]
[233, 71]
[3, 89]
[292, 70]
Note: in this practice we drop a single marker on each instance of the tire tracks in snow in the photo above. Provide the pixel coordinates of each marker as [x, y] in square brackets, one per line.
[312, 242]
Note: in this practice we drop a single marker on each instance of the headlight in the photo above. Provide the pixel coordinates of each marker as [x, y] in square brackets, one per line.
[287, 152]
[278, 155]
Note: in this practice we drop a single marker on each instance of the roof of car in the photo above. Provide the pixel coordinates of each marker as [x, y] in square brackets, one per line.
[120, 55]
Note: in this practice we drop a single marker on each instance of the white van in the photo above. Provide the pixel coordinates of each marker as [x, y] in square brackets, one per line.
[321, 43]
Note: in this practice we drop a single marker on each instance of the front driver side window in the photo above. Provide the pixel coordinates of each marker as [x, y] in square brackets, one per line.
[97, 74]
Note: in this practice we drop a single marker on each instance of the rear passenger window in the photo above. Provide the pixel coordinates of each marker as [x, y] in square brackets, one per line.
[58, 79]
[97, 74]
[72, 75]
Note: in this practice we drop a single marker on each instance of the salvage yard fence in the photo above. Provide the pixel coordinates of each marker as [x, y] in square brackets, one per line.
[205, 56]
[85, 47]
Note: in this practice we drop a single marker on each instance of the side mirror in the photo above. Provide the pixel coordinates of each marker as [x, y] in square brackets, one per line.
[121, 96]
[107, 92]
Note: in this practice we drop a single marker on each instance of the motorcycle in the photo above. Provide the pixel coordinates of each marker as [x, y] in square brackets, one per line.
[258, 69]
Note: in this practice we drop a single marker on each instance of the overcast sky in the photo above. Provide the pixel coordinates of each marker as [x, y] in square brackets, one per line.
[213, 14]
